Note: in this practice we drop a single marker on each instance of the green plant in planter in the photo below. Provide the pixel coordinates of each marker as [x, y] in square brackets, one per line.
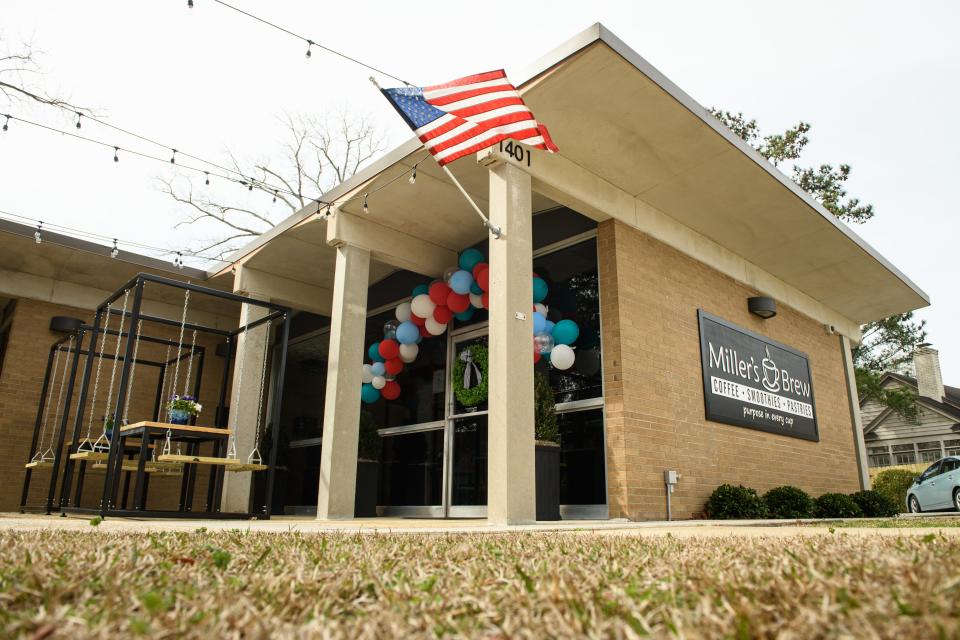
[546, 428]
[370, 443]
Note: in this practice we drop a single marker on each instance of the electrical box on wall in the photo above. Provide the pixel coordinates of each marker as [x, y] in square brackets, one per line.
[671, 476]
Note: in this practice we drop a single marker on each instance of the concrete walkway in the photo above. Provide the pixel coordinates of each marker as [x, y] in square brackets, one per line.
[684, 528]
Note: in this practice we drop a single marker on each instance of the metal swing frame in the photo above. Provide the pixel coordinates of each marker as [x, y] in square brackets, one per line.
[59, 431]
[154, 431]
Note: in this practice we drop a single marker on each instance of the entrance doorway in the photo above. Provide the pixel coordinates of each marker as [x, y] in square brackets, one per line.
[439, 469]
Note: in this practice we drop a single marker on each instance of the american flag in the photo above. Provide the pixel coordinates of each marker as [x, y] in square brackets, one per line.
[468, 115]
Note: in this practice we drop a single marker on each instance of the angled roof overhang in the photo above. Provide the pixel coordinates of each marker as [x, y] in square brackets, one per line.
[615, 116]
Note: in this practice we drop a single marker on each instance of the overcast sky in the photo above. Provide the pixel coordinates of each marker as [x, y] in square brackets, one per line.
[877, 80]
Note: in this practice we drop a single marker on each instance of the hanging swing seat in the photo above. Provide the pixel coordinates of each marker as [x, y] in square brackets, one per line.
[185, 428]
[91, 456]
[156, 470]
[39, 464]
[230, 464]
[246, 466]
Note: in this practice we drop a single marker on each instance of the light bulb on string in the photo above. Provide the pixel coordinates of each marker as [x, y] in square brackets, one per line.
[250, 186]
[116, 158]
[79, 115]
[366, 209]
[413, 175]
[329, 213]
[190, 4]
[309, 44]
[38, 234]
[115, 251]
[6, 124]
[207, 181]
[274, 195]
[173, 157]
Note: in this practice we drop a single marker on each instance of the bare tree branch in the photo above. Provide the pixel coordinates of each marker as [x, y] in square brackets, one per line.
[14, 64]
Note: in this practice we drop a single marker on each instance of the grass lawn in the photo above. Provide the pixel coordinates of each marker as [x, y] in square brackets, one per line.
[923, 522]
[231, 584]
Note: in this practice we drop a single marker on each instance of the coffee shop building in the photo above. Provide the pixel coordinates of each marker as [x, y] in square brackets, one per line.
[716, 305]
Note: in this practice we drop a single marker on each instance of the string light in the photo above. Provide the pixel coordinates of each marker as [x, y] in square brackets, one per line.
[329, 213]
[274, 195]
[6, 125]
[115, 251]
[79, 115]
[173, 157]
[190, 4]
[38, 235]
[207, 181]
[116, 151]
[309, 44]
[366, 209]
[178, 261]
[413, 176]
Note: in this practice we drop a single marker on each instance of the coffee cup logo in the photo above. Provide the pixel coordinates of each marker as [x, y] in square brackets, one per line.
[771, 377]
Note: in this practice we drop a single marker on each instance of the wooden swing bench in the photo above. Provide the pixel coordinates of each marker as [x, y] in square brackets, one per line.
[39, 464]
[229, 464]
[152, 468]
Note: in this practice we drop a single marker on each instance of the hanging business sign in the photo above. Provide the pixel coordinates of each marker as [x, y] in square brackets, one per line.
[752, 381]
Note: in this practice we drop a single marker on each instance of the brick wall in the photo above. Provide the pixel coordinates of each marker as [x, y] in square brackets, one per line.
[20, 384]
[653, 389]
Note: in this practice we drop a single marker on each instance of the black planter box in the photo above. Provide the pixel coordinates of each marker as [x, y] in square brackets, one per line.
[368, 482]
[548, 481]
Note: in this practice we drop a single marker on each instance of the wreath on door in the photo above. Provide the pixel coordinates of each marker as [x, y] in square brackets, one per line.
[470, 375]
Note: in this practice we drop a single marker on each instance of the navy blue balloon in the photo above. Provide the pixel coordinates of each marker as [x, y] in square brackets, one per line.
[407, 333]
[548, 327]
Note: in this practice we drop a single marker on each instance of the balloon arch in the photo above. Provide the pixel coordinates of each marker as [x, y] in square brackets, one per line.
[463, 290]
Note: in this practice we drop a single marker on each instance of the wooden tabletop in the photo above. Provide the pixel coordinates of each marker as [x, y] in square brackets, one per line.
[185, 428]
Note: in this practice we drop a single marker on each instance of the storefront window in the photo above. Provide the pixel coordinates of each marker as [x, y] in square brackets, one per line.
[582, 470]
[904, 454]
[952, 447]
[422, 382]
[879, 456]
[572, 278]
[412, 469]
[929, 451]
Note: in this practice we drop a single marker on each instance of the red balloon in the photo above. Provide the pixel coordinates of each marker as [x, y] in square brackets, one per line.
[483, 279]
[391, 390]
[442, 314]
[393, 366]
[424, 332]
[417, 320]
[439, 292]
[536, 359]
[477, 268]
[389, 349]
[458, 303]
[486, 300]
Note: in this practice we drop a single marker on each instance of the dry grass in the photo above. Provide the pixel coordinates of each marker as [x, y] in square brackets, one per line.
[253, 585]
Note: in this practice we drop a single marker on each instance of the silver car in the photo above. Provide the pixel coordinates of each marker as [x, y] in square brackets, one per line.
[937, 488]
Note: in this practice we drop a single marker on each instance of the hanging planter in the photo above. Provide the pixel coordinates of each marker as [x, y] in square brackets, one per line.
[181, 409]
[471, 376]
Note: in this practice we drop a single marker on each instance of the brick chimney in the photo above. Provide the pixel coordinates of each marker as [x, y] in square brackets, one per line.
[926, 361]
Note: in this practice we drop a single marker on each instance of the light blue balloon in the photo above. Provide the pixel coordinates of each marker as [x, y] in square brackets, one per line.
[460, 282]
[566, 332]
[368, 394]
[463, 316]
[374, 352]
[470, 258]
[540, 289]
[548, 328]
[421, 289]
[407, 333]
[539, 323]
[378, 369]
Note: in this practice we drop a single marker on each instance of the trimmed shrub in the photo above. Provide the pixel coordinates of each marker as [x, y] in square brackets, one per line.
[894, 483]
[788, 502]
[875, 504]
[729, 502]
[837, 505]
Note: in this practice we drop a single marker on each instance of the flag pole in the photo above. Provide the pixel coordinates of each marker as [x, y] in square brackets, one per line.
[494, 229]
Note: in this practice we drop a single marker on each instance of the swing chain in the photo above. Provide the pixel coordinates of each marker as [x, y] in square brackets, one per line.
[133, 373]
[232, 443]
[40, 454]
[113, 377]
[183, 322]
[255, 457]
[87, 444]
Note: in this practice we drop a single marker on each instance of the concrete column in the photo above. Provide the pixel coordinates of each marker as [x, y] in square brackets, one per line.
[511, 496]
[243, 404]
[341, 416]
[849, 373]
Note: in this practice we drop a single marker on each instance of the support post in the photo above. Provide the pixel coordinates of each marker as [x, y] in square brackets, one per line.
[860, 447]
[41, 407]
[62, 427]
[341, 416]
[237, 494]
[511, 493]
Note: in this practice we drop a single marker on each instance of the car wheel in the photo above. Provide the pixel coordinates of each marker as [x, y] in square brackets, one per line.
[914, 504]
[956, 499]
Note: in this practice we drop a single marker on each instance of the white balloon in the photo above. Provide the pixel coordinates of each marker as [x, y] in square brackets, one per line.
[423, 306]
[379, 382]
[367, 375]
[541, 309]
[403, 312]
[409, 352]
[476, 300]
[435, 328]
[562, 357]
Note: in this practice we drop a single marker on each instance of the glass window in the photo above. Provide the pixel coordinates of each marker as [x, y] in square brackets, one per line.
[949, 465]
[878, 456]
[422, 382]
[469, 461]
[572, 280]
[582, 476]
[951, 447]
[904, 454]
[931, 471]
[411, 473]
[929, 451]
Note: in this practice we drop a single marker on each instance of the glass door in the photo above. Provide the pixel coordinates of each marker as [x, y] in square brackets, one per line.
[467, 426]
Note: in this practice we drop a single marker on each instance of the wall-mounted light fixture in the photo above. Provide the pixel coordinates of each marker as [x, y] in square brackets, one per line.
[762, 306]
